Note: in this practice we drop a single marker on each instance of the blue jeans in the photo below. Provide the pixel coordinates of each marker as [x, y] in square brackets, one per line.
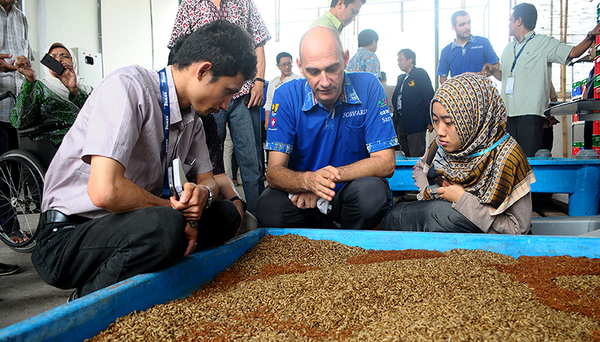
[428, 216]
[244, 127]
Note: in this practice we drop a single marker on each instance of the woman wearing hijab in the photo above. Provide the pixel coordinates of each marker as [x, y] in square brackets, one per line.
[54, 98]
[474, 178]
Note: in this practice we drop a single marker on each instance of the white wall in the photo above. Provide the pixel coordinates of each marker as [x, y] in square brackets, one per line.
[127, 33]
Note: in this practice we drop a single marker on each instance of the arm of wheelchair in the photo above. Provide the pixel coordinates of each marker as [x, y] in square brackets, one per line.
[43, 128]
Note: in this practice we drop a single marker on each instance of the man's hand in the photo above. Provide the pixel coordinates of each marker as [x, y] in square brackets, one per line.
[305, 200]
[4, 66]
[256, 95]
[595, 31]
[451, 192]
[321, 182]
[191, 202]
[24, 67]
[192, 236]
[487, 70]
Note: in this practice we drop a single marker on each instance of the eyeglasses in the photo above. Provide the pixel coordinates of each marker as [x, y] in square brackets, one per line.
[283, 65]
[61, 57]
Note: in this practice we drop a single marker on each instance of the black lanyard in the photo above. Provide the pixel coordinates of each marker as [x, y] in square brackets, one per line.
[517, 55]
[166, 111]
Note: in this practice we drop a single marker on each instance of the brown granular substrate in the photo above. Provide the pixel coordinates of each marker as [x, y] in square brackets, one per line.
[290, 288]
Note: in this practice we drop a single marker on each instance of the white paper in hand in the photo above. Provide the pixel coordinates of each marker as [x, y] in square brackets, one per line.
[178, 176]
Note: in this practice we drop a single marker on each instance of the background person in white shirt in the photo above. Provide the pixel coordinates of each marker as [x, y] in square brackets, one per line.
[284, 64]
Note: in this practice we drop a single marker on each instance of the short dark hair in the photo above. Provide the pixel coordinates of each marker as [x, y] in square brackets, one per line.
[382, 76]
[212, 43]
[365, 37]
[176, 46]
[281, 55]
[346, 2]
[456, 15]
[527, 13]
[408, 54]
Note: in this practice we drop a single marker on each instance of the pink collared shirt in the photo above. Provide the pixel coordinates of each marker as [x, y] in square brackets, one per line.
[122, 120]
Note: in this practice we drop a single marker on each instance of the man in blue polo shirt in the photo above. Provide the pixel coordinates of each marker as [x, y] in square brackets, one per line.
[330, 140]
[466, 53]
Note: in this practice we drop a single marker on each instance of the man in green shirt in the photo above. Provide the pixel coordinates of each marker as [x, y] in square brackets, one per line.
[340, 14]
[525, 75]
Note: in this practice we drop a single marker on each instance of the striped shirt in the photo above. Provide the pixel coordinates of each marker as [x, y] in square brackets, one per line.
[531, 72]
[14, 41]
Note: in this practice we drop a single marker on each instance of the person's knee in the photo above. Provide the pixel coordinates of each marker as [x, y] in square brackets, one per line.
[165, 225]
[371, 194]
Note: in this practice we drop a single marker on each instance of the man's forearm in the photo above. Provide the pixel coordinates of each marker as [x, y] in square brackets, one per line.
[124, 196]
[581, 48]
[260, 61]
[226, 187]
[284, 179]
[379, 164]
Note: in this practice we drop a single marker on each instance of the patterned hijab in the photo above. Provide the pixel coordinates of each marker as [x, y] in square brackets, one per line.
[489, 164]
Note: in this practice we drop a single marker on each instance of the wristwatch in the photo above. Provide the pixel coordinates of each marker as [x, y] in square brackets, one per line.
[209, 200]
[590, 36]
[235, 198]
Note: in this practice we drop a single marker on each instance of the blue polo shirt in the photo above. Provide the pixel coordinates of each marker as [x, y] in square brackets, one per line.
[456, 60]
[359, 124]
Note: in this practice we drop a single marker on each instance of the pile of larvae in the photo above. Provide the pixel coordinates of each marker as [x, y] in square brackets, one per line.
[291, 288]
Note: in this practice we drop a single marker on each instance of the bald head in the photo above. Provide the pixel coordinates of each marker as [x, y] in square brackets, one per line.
[320, 39]
[322, 62]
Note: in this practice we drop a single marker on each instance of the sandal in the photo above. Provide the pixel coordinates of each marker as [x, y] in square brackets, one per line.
[18, 236]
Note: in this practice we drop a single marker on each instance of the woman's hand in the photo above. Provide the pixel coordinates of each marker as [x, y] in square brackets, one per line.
[68, 78]
[451, 192]
[24, 67]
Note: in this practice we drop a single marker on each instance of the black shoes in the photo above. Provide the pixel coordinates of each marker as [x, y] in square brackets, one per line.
[6, 269]
[73, 296]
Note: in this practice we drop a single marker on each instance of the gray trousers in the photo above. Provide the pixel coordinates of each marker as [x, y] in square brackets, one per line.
[427, 216]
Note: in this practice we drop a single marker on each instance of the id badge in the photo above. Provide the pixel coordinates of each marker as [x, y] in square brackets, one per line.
[510, 85]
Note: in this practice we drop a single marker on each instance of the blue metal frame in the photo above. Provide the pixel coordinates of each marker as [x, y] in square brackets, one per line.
[576, 177]
[85, 317]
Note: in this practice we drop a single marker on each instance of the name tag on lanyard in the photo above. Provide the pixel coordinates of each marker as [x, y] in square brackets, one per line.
[510, 81]
[510, 85]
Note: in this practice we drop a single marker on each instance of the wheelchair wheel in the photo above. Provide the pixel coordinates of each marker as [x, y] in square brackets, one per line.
[21, 185]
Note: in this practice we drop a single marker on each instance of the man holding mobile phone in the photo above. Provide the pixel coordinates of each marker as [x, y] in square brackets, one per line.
[107, 213]
[14, 25]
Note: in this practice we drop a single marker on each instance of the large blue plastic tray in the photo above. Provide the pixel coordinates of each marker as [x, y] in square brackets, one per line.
[91, 314]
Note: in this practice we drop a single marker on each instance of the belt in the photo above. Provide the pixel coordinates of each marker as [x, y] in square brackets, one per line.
[55, 216]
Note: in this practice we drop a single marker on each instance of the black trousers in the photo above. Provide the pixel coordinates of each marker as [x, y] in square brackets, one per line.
[428, 216]
[95, 254]
[528, 130]
[360, 204]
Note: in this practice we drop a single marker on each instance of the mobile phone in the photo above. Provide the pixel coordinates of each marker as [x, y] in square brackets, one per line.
[439, 180]
[53, 64]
